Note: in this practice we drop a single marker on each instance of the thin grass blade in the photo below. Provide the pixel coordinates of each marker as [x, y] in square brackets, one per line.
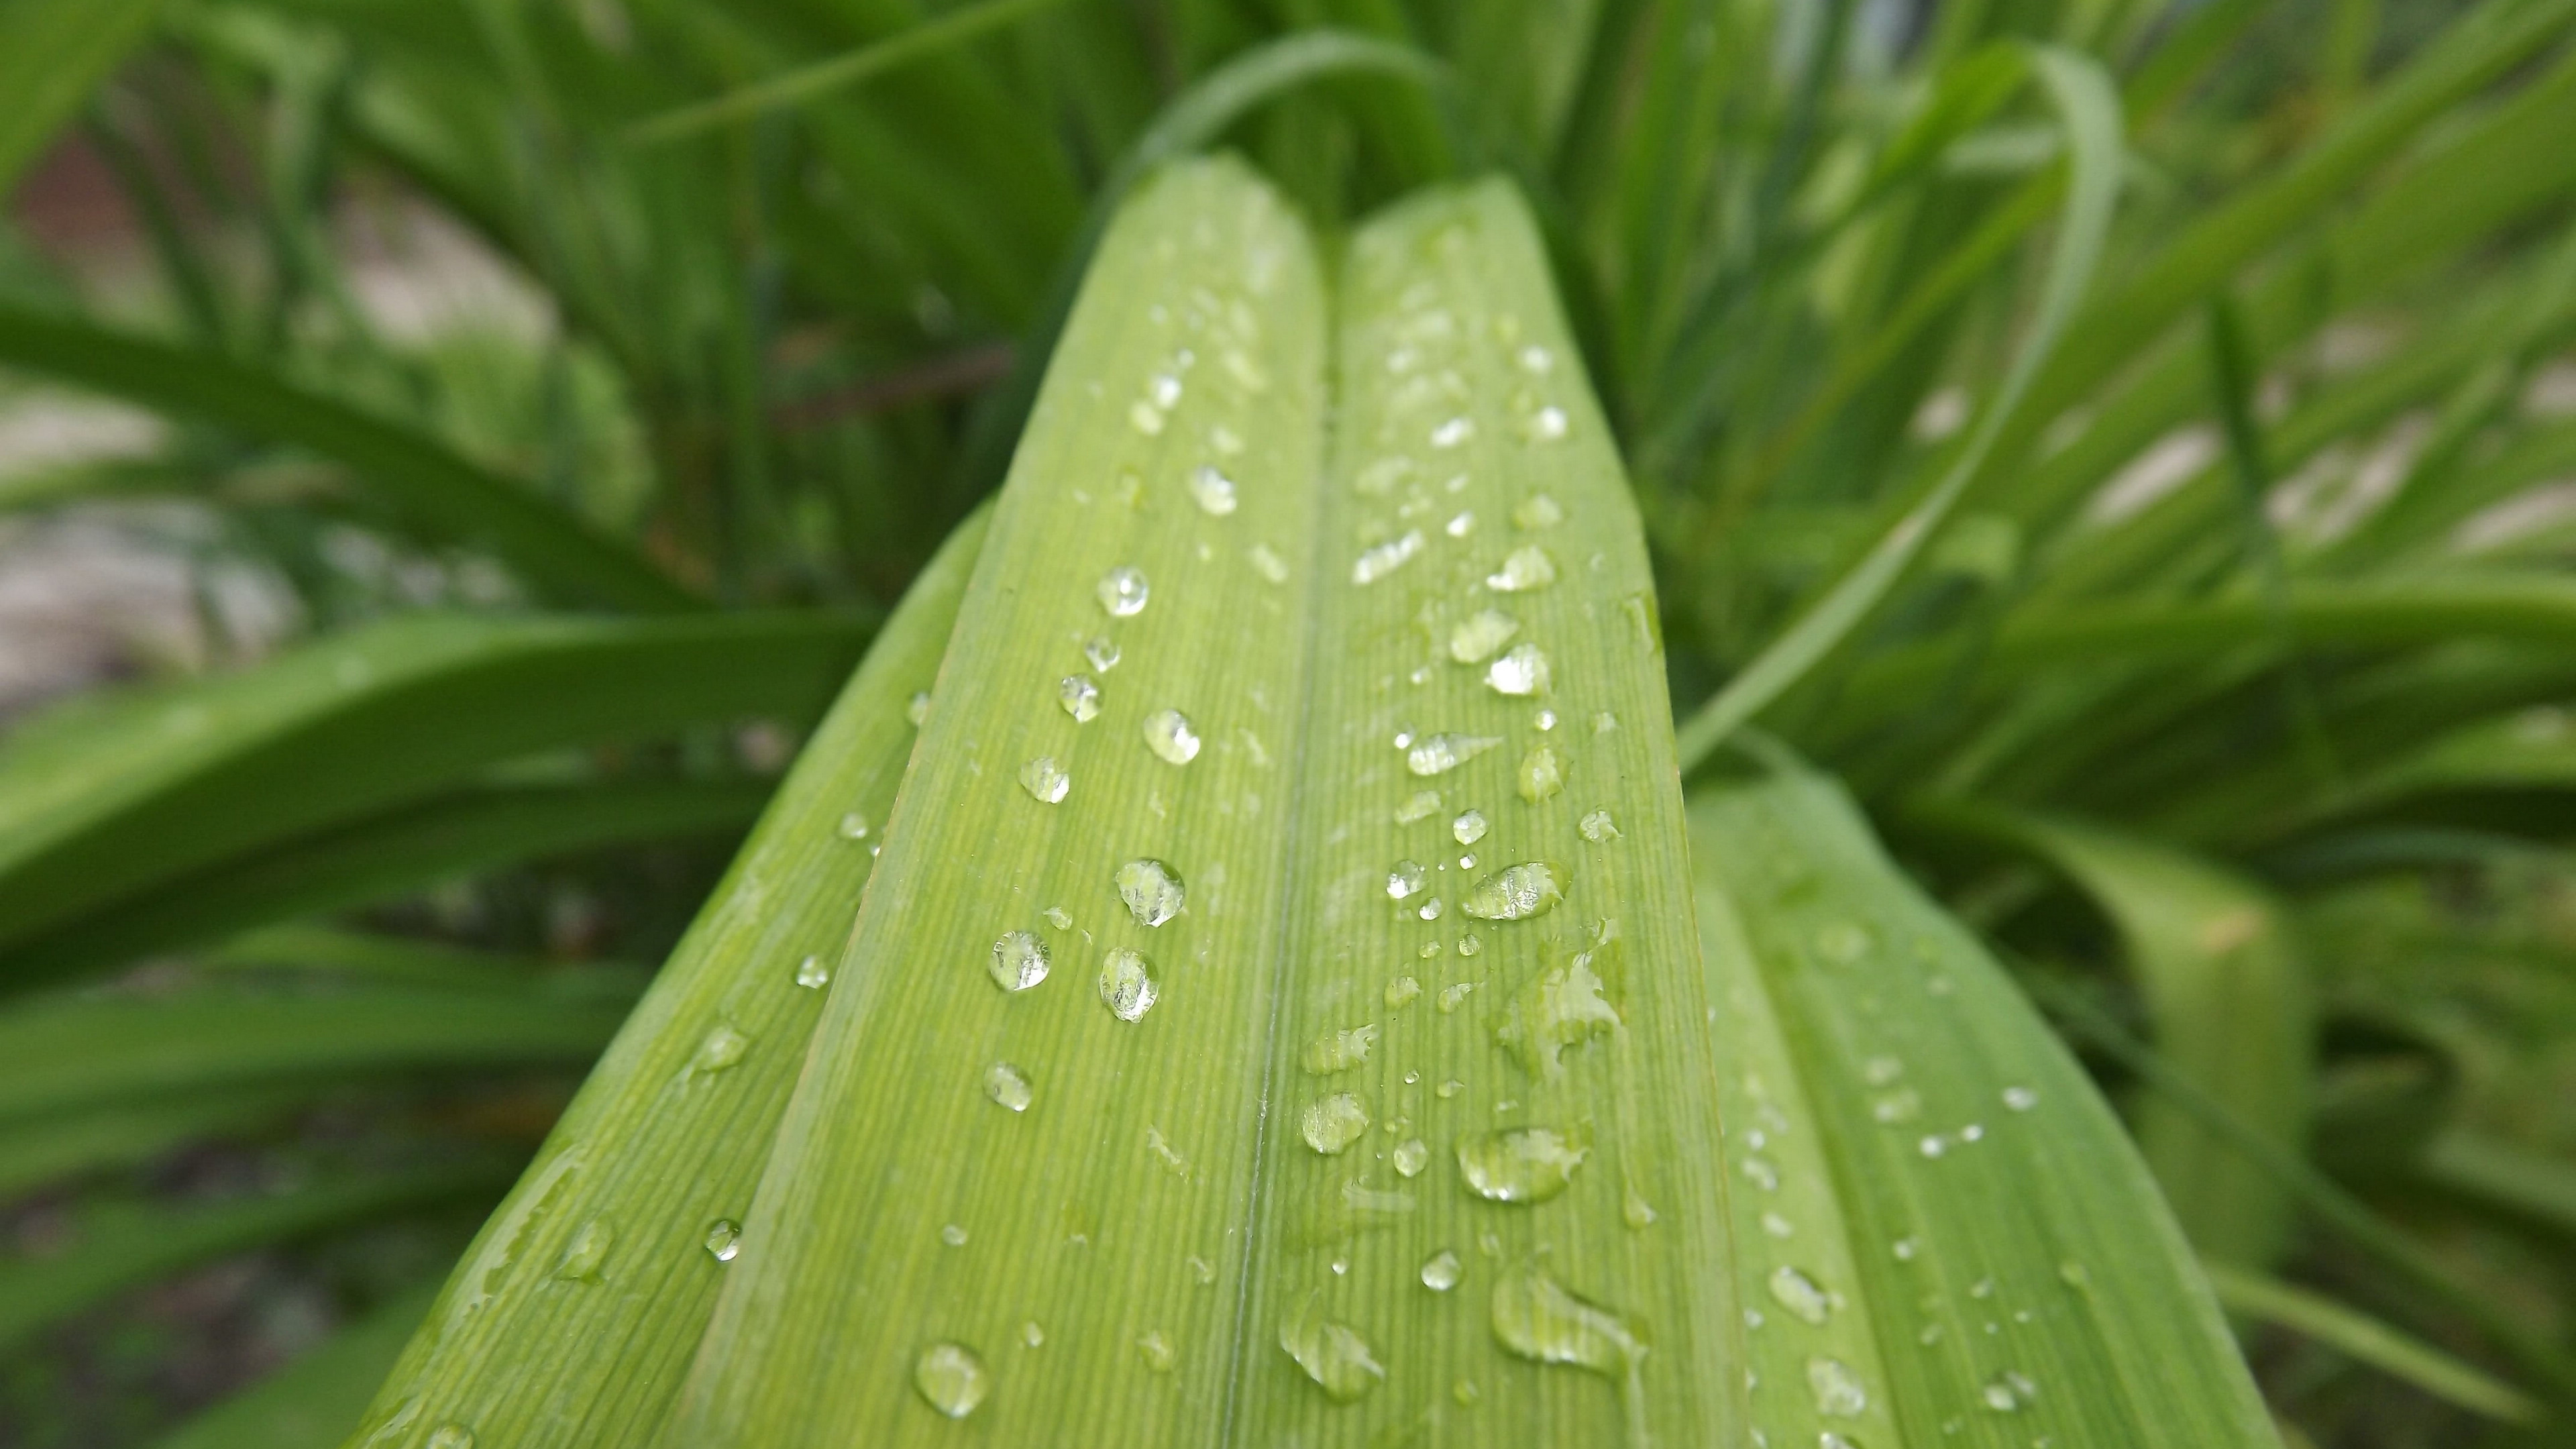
[53, 53]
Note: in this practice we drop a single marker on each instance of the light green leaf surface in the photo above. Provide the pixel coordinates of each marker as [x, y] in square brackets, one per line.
[52, 53]
[1946, 1232]
[667, 1138]
[1224, 1214]
[311, 1403]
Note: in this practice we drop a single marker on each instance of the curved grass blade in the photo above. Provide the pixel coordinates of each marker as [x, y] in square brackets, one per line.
[104, 803]
[2090, 109]
[52, 54]
[65, 1144]
[419, 477]
[2367, 1340]
[603, 1245]
[311, 1403]
[2505, 1179]
[122, 1243]
[2216, 964]
[928, 38]
[405, 849]
[1246, 1204]
[2011, 1270]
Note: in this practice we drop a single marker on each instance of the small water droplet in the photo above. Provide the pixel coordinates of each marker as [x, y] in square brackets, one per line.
[1152, 890]
[1544, 720]
[1438, 754]
[1838, 1390]
[1376, 562]
[1411, 1156]
[1460, 524]
[1525, 1164]
[721, 1048]
[1145, 418]
[1440, 1272]
[1516, 893]
[1452, 996]
[1267, 563]
[1424, 804]
[1537, 360]
[1546, 425]
[1212, 491]
[1126, 984]
[1449, 1089]
[1031, 1334]
[1169, 735]
[1156, 1349]
[1761, 1173]
[2008, 1392]
[917, 709]
[1983, 1288]
[1008, 1086]
[1405, 880]
[1800, 1294]
[951, 1379]
[724, 1240]
[1540, 777]
[1525, 568]
[1045, 780]
[1521, 671]
[1080, 696]
[1538, 511]
[587, 1252]
[1123, 592]
[1339, 1051]
[1598, 827]
[1333, 1124]
[1778, 1226]
[1474, 639]
[1059, 917]
[1019, 961]
[812, 974]
[1902, 1105]
[1932, 1146]
[1430, 909]
[1470, 943]
[2020, 1099]
[1831, 1440]
[451, 1436]
[953, 1235]
[854, 826]
[1333, 1355]
[1905, 1249]
[1469, 827]
[1973, 1132]
[1452, 432]
[1402, 991]
[1102, 652]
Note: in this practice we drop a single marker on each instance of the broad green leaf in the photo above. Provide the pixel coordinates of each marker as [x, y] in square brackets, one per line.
[404, 849]
[1945, 1231]
[1364, 1053]
[120, 1242]
[419, 477]
[52, 52]
[104, 803]
[2216, 963]
[604, 1244]
[2315, 1316]
[311, 1403]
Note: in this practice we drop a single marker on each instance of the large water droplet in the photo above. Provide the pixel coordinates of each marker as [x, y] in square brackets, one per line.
[1339, 1051]
[1126, 984]
[1525, 568]
[813, 974]
[1440, 1271]
[1102, 651]
[1045, 780]
[1838, 1390]
[1152, 890]
[1411, 1156]
[951, 1379]
[1019, 961]
[1212, 491]
[1527, 1164]
[1469, 827]
[1080, 696]
[1334, 1123]
[1535, 1317]
[1405, 880]
[724, 1240]
[1169, 735]
[587, 1253]
[1800, 1294]
[720, 1049]
[1436, 754]
[1598, 827]
[1334, 1356]
[1475, 638]
[1123, 592]
[1518, 892]
[1377, 562]
[1540, 777]
[1559, 1009]
[1009, 1086]
[1522, 671]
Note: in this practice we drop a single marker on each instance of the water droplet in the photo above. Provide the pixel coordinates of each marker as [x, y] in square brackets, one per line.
[1535, 1317]
[1267, 563]
[1905, 1248]
[1102, 652]
[1440, 1271]
[1453, 432]
[1525, 568]
[1526, 1164]
[1973, 1132]
[451, 1436]
[1080, 697]
[1212, 491]
[2020, 1099]
[1126, 984]
[1437, 754]
[1522, 671]
[720, 1049]
[1838, 1390]
[1878, 1071]
[917, 709]
[1402, 991]
[1598, 827]
[1045, 780]
[1468, 828]
[1546, 425]
[812, 974]
[1224, 439]
[587, 1252]
[1157, 1351]
[1152, 890]
[724, 1240]
[1451, 996]
[1339, 1051]
[1538, 511]
[1333, 1124]
[1019, 961]
[1377, 562]
[2008, 1392]
[1558, 1009]
[951, 1379]
[1145, 418]
[1475, 638]
[1169, 735]
[1902, 1105]
[1544, 720]
[1334, 1356]
[1539, 778]
[1537, 360]
[854, 826]
[1604, 722]
[1424, 804]
[1778, 1226]
[1470, 943]
[1831, 1440]
[1981, 1289]
[1009, 1086]
[1516, 893]
[1411, 1156]
[1405, 880]
[1460, 525]
[1761, 1174]
[1800, 1294]
[1430, 910]
[1123, 592]
[1932, 1146]
[1031, 1334]
[1059, 917]
[953, 1235]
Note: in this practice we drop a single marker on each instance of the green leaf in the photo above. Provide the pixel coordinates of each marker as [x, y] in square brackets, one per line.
[2504, 1178]
[1224, 1213]
[52, 54]
[311, 1403]
[422, 479]
[66, 1143]
[104, 803]
[2366, 1339]
[668, 1136]
[1947, 1234]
